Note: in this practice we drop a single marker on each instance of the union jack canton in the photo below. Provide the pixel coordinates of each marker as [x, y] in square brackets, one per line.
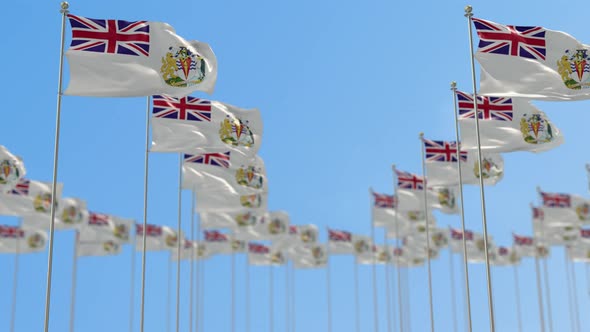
[407, 180]
[556, 200]
[185, 108]
[213, 159]
[442, 151]
[488, 108]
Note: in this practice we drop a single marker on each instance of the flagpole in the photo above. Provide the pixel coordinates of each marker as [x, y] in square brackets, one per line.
[247, 295]
[356, 297]
[74, 280]
[569, 293]
[575, 291]
[287, 325]
[169, 295]
[387, 286]
[145, 209]
[180, 242]
[271, 298]
[233, 286]
[64, 11]
[407, 299]
[469, 15]
[587, 277]
[294, 292]
[192, 264]
[425, 190]
[463, 240]
[540, 294]
[199, 265]
[453, 300]
[15, 282]
[374, 272]
[398, 267]
[547, 290]
[202, 296]
[328, 289]
[517, 293]
[132, 286]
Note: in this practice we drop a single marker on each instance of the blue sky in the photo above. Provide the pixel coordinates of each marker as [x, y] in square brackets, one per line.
[344, 89]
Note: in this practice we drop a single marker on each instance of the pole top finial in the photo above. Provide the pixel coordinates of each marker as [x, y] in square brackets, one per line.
[64, 7]
[453, 85]
[468, 11]
[393, 166]
[421, 135]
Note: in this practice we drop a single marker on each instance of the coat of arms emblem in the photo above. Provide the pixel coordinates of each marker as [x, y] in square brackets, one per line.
[384, 256]
[245, 219]
[536, 129]
[318, 253]
[251, 201]
[277, 258]
[489, 170]
[110, 247]
[276, 226]
[542, 251]
[171, 240]
[71, 215]
[446, 197]
[121, 232]
[182, 67]
[36, 241]
[415, 215]
[574, 69]
[42, 202]
[234, 131]
[583, 211]
[9, 173]
[361, 246]
[439, 239]
[249, 176]
[308, 236]
[238, 245]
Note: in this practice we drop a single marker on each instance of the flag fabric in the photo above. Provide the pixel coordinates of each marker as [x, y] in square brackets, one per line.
[312, 257]
[191, 124]
[531, 62]
[299, 238]
[218, 242]
[272, 226]
[345, 243]
[117, 58]
[12, 169]
[504, 256]
[259, 254]
[584, 237]
[410, 194]
[100, 248]
[224, 172]
[29, 198]
[231, 220]
[407, 222]
[14, 239]
[527, 246]
[441, 173]
[472, 240]
[444, 199]
[506, 125]
[439, 238]
[122, 231]
[566, 205]
[71, 214]
[579, 253]
[383, 209]
[158, 238]
[230, 202]
[99, 227]
[188, 251]
[553, 216]
[380, 255]
[557, 235]
[402, 257]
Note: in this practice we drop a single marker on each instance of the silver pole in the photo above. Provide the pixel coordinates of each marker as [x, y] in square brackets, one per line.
[15, 282]
[145, 209]
[293, 307]
[180, 242]
[192, 265]
[407, 300]
[427, 234]
[469, 15]
[517, 293]
[540, 295]
[387, 287]
[202, 297]
[74, 280]
[328, 290]
[453, 299]
[198, 268]
[64, 11]
[233, 287]
[247, 296]
[132, 287]
[168, 295]
[569, 293]
[398, 267]
[547, 291]
[464, 241]
[374, 273]
[287, 325]
[575, 291]
[271, 299]
[356, 298]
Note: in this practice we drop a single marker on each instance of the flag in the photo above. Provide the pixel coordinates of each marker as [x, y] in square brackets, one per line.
[584, 236]
[230, 202]
[579, 253]
[71, 214]
[99, 227]
[410, 195]
[381, 254]
[383, 209]
[191, 124]
[527, 246]
[557, 235]
[439, 238]
[407, 221]
[472, 240]
[506, 125]
[444, 199]
[442, 171]
[14, 239]
[272, 226]
[188, 251]
[158, 237]
[98, 248]
[531, 62]
[312, 257]
[218, 242]
[122, 231]
[259, 254]
[116, 58]
[342, 242]
[228, 171]
[504, 256]
[566, 205]
[553, 216]
[12, 169]
[405, 258]
[232, 220]
[29, 198]
[299, 238]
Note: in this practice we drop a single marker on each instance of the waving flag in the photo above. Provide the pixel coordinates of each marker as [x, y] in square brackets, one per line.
[29, 198]
[568, 208]
[343, 242]
[531, 62]
[22, 240]
[158, 238]
[529, 247]
[12, 170]
[553, 216]
[99, 248]
[409, 181]
[71, 214]
[312, 257]
[117, 58]
[259, 254]
[442, 151]
[190, 124]
[504, 256]
[505, 125]
[231, 202]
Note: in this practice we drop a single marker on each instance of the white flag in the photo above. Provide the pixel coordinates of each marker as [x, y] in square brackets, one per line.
[311, 257]
[259, 254]
[101, 248]
[505, 125]
[446, 173]
[196, 125]
[218, 243]
[22, 240]
[504, 256]
[579, 253]
[29, 197]
[345, 243]
[230, 202]
[116, 58]
[567, 206]
[188, 250]
[531, 62]
[12, 169]
[158, 238]
[106, 227]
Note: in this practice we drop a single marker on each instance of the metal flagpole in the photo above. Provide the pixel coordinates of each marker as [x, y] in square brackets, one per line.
[247, 296]
[132, 287]
[374, 273]
[168, 297]
[328, 289]
[271, 298]
[356, 297]
[464, 240]
[587, 277]
[15, 283]
[517, 293]
[192, 264]
[202, 297]
[180, 242]
[407, 300]
[398, 267]
[74, 280]
[198, 268]
[569, 293]
[575, 291]
[453, 300]
[425, 190]
[547, 291]
[387, 287]
[294, 292]
[287, 325]
[64, 11]
[145, 208]
[540, 295]
[469, 15]
[233, 286]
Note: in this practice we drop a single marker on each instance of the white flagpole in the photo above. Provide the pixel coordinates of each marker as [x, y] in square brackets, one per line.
[407, 299]
[271, 298]
[201, 298]
[233, 286]
[180, 242]
[169, 295]
[517, 294]
[15, 283]
[247, 295]
[132, 286]
[540, 295]
[453, 299]
[569, 292]
[374, 273]
[199, 266]
[287, 325]
[387, 286]
[64, 11]
[328, 289]
[425, 190]
[398, 267]
[469, 15]
[575, 291]
[356, 297]
[192, 264]
[547, 291]
[145, 209]
[74, 280]
[464, 240]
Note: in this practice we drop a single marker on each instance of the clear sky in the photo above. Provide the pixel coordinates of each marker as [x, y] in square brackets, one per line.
[344, 88]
